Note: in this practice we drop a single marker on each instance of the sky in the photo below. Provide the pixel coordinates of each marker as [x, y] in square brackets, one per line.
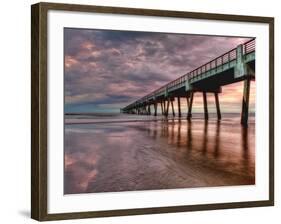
[106, 70]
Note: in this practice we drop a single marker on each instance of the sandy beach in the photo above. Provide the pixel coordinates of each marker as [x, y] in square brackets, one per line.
[129, 156]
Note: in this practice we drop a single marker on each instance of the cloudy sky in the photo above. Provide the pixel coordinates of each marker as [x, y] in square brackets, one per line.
[107, 70]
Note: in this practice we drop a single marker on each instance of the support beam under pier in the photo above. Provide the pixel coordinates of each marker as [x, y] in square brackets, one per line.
[218, 106]
[245, 102]
[167, 108]
[179, 106]
[205, 106]
[164, 107]
[155, 108]
[172, 104]
[190, 106]
[162, 110]
[143, 110]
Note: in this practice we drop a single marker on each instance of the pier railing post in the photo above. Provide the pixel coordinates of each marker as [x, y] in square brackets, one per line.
[190, 106]
[245, 102]
[205, 106]
[179, 106]
[218, 106]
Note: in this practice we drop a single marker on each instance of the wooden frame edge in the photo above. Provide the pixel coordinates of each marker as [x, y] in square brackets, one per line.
[153, 12]
[271, 110]
[156, 210]
[34, 113]
[39, 110]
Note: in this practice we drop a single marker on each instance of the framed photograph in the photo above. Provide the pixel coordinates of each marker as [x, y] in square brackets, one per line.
[139, 111]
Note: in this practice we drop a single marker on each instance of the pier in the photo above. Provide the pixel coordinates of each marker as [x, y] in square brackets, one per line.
[236, 65]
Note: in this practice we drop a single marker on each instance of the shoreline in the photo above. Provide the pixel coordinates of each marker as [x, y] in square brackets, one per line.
[93, 121]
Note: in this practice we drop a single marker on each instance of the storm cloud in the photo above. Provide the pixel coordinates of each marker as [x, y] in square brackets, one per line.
[106, 70]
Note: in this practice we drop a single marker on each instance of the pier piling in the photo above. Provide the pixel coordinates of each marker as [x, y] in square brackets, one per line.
[189, 115]
[218, 106]
[205, 106]
[167, 109]
[245, 102]
[172, 104]
[179, 106]
[155, 108]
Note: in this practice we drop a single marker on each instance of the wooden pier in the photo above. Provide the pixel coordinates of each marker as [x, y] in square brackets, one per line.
[236, 65]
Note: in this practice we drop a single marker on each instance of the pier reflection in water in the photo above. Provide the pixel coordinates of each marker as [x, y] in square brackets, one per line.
[158, 155]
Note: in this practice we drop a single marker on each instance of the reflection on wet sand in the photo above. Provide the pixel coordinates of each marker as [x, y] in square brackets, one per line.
[158, 155]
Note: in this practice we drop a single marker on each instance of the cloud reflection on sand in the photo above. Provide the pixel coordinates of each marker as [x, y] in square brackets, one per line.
[158, 155]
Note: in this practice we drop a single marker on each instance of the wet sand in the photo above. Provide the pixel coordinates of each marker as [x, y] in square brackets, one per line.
[129, 156]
